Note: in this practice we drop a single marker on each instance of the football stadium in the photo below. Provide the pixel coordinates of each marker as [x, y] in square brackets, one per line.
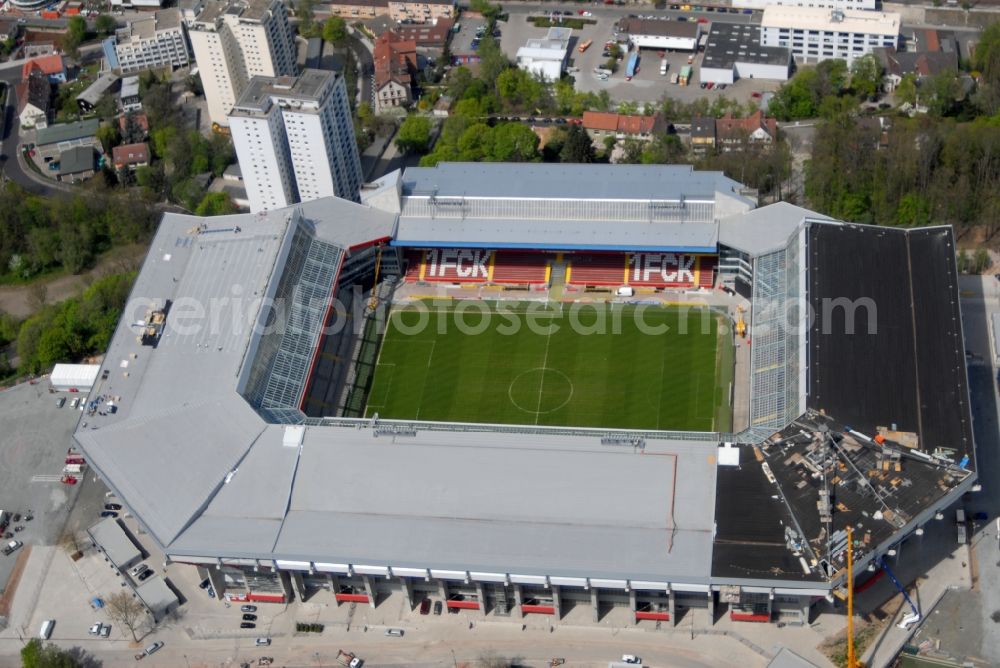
[522, 389]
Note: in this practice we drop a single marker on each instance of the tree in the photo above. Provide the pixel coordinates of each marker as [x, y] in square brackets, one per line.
[489, 11]
[76, 32]
[307, 22]
[35, 655]
[127, 611]
[107, 134]
[105, 24]
[335, 30]
[414, 134]
[906, 91]
[577, 147]
[215, 204]
[866, 76]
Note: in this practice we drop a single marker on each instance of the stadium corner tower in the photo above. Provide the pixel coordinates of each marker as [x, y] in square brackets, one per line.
[242, 441]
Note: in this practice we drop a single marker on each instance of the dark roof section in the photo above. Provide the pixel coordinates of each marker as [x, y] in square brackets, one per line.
[910, 371]
[659, 28]
[731, 43]
[76, 160]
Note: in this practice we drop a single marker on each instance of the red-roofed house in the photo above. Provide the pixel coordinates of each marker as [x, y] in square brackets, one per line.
[51, 66]
[604, 124]
[395, 59]
[130, 156]
[732, 133]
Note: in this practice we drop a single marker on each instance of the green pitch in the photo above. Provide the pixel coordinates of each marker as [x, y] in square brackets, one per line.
[669, 368]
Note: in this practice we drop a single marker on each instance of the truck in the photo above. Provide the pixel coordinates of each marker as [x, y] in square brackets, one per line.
[586, 45]
[348, 659]
[663, 67]
[685, 77]
[633, 66]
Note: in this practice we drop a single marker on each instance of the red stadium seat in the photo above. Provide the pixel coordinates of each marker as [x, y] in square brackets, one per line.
[513, 268]
[603, 269]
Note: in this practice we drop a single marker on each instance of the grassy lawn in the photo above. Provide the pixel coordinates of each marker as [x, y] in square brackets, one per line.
[630, 367]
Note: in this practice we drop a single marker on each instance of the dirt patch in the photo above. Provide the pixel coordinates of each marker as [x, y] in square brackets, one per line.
[15, 579]
[865, 633]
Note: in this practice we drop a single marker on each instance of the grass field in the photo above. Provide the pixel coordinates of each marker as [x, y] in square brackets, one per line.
[591, 369]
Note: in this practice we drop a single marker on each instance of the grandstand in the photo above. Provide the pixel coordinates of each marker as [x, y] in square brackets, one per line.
[322, 453]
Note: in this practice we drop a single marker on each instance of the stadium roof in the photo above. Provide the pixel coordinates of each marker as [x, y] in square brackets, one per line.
[557, 235]
[765, 229]
[565, 181]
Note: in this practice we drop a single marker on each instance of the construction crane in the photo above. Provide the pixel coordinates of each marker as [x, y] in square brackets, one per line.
[741, 325]
[373, 304]
[913, 617]
[852, 659]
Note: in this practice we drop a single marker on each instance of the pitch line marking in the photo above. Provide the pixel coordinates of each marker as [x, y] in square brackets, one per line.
[541, 385]
[510, 391]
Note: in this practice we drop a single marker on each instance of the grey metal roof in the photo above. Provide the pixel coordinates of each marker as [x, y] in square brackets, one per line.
[548, 181]
[764, 229]
[77, 159]
[115, 542]
[556, 234]
[95, 91]
[157, 596]
[54, 134]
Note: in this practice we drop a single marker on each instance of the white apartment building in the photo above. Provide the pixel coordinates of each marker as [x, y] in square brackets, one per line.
[151, 42]
[814, 34]
[235, 41]
[294, 139]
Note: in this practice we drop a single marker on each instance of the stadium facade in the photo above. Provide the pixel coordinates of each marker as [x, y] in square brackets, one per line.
[220, 417]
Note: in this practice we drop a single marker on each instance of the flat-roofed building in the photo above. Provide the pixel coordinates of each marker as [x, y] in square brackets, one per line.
[733, 51]
[546, 57]
[154, 41]
[814, 33]
[660, 34]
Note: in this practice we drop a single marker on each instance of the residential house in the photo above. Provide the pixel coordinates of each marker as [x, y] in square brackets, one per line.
[51, 66]
[356, 9]
[130, 100]
[92, 95]
[133, 126]
[40, 42]
[34, 100]
[76, 164]
[929, 53]
[599, 124]
[130, 156]
[703, 134]
[430, 38]
[734, 133]
[395, 60]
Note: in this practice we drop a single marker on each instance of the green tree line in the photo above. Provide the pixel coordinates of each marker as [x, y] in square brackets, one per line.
[42, 234]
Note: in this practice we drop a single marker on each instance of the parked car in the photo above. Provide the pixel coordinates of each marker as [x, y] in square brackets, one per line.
[437, 607]
[249, 618]
[61, 401]
[630, 658]
[12, 547]
[425, 606]
[155, 647]
[109, 513]
[96, 629]
[704, 84]
[211, 592]
[247, 625]
[204, 584]
[755, 95]
[263, 642]
[135, 571]
[112, 506]
[248, 608]
[145, 575]
[394, 632]
[106, 631]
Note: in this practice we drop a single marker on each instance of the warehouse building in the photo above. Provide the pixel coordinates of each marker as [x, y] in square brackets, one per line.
[814, 34]
[246, 473]
[546, 57]
[734, 51]
[659, 34]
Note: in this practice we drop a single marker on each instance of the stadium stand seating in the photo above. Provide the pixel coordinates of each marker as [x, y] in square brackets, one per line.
[598, 269]
[514, 268]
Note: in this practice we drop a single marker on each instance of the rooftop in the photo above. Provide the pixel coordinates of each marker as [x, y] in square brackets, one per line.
[49, 65]
[76, 160]
[67, 132]
[244, 10]
[660, 28]
[730, 43]
[130, 154]
[262, 92]
[836, 20]
[115, 542]
[95, 91]
[147, 26]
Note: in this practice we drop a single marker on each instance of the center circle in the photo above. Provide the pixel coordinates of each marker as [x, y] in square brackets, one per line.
[540, 390]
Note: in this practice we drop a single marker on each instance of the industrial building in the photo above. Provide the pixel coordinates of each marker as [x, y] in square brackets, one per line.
[868, 5]
[814, 33]
[152, 42]
[546, 57]
[294, 139]
[734, 51]
[230, 447]
[236, 40]
[660, 34]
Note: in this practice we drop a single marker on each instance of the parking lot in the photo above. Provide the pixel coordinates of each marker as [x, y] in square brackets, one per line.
[34, 437]
[648, 85]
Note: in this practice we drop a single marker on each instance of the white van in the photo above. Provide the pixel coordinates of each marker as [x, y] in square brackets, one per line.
[625, 292]
[46, 631]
